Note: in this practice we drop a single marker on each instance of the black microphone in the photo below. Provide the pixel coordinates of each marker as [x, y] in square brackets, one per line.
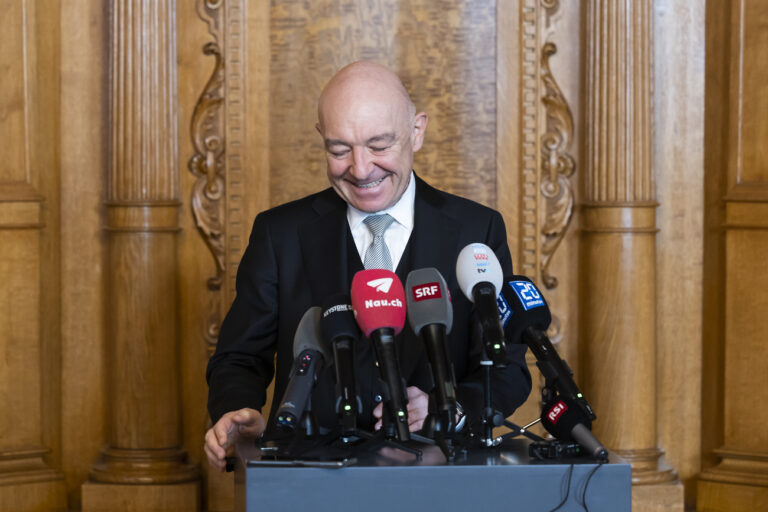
[565, 420]
[567, 415]
[430, 314]
[480, 277]
[341, 332]
[527, 318]
[310, 355]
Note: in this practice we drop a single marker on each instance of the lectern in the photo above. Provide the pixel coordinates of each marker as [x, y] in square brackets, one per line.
[391, 480]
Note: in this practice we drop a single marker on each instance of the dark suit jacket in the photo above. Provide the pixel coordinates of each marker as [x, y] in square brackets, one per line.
[302, 252]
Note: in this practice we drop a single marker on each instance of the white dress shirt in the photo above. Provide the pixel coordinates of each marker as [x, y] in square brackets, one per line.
[398, 233]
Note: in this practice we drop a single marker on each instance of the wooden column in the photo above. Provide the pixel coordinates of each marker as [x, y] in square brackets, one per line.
[143, 464]
[618, 244]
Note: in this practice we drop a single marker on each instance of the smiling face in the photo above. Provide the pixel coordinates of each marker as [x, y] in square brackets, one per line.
[370, 131]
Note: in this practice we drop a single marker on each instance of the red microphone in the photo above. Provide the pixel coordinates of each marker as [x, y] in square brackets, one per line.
[378, 300]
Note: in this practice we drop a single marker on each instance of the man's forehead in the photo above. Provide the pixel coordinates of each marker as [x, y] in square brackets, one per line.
[383, 138]
[361, 99]
[361, 120]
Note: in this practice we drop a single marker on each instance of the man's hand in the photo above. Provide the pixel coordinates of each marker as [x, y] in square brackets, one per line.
[418, 402]
[230, 427]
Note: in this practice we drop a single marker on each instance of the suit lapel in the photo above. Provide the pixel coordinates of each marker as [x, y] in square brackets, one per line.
[432, 244]
[324, 247]
[434, 237]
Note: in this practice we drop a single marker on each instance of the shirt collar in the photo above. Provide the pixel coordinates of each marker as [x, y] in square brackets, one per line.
[401, 211]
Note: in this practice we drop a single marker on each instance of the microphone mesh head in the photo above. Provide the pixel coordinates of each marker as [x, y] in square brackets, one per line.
[560, 415]
[428, 298]
[478, 263]
[338, 319]
[378, 300]
[308, 334]
[522, 305]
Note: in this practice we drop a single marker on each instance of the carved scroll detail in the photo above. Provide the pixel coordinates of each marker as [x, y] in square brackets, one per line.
[557, 167]
[208, 165]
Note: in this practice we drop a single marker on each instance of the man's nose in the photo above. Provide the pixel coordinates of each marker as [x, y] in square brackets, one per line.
[360, 163]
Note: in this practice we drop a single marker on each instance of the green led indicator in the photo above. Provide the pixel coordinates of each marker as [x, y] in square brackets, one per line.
[347, 407]
[579, 395]
[497, 346]
[400, 413]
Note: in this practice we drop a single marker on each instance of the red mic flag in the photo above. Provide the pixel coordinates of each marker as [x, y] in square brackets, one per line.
[378, 300]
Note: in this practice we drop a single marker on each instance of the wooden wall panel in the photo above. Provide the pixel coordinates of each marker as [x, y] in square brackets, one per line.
[753, 151]
[13, 104]
[29, 372]
[444, 55]
[478, 141]
[740, 479]
[20, 325]
[82, 158]
[678, 162]
[225, 140]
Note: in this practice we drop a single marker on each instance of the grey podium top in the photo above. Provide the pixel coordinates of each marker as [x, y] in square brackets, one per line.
[502, 478]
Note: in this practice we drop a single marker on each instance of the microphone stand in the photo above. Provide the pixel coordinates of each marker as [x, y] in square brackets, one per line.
[348, 433]
[439, 425]
[491, 418]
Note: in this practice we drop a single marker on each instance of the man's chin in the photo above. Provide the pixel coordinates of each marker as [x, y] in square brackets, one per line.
[370, 204]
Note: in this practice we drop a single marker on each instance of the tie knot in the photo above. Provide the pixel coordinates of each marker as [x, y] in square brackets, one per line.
[378, 224]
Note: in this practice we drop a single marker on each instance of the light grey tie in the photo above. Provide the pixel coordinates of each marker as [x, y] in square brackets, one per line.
[377, 255]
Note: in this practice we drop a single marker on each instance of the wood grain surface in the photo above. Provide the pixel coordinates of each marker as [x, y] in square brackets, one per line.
[443, 51]
[739, 480]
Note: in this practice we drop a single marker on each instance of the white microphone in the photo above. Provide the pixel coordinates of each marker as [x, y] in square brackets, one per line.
[480, 278]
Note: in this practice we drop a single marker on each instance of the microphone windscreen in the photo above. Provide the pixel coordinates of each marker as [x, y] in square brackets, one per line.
[428, 299]
[477, 263]
[338, 319]
[560, 415]
[308, 334]
[378, 300]
[522, 303]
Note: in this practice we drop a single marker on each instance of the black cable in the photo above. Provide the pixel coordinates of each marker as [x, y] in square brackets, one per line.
[567, 490]
[586, 484]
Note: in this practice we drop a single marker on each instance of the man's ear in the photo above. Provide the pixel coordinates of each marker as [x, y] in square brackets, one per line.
[420, 121]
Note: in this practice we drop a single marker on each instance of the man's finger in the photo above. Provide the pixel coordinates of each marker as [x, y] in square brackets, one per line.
[378, 410]
[413, 426]
[213, 460]
[223, 430]
[212, 444]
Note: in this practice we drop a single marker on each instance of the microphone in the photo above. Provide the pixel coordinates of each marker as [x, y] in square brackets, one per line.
[430, 314]
[340, 331]
[480, 277]
[530, 318]
[567, 415]
[309, 356]
[565, 420]
[378, 301]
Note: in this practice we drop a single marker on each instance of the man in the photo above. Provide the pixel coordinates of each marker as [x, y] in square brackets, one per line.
[302, 252]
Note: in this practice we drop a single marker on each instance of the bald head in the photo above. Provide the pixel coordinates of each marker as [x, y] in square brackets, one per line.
[364, 82]
[370, 131]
